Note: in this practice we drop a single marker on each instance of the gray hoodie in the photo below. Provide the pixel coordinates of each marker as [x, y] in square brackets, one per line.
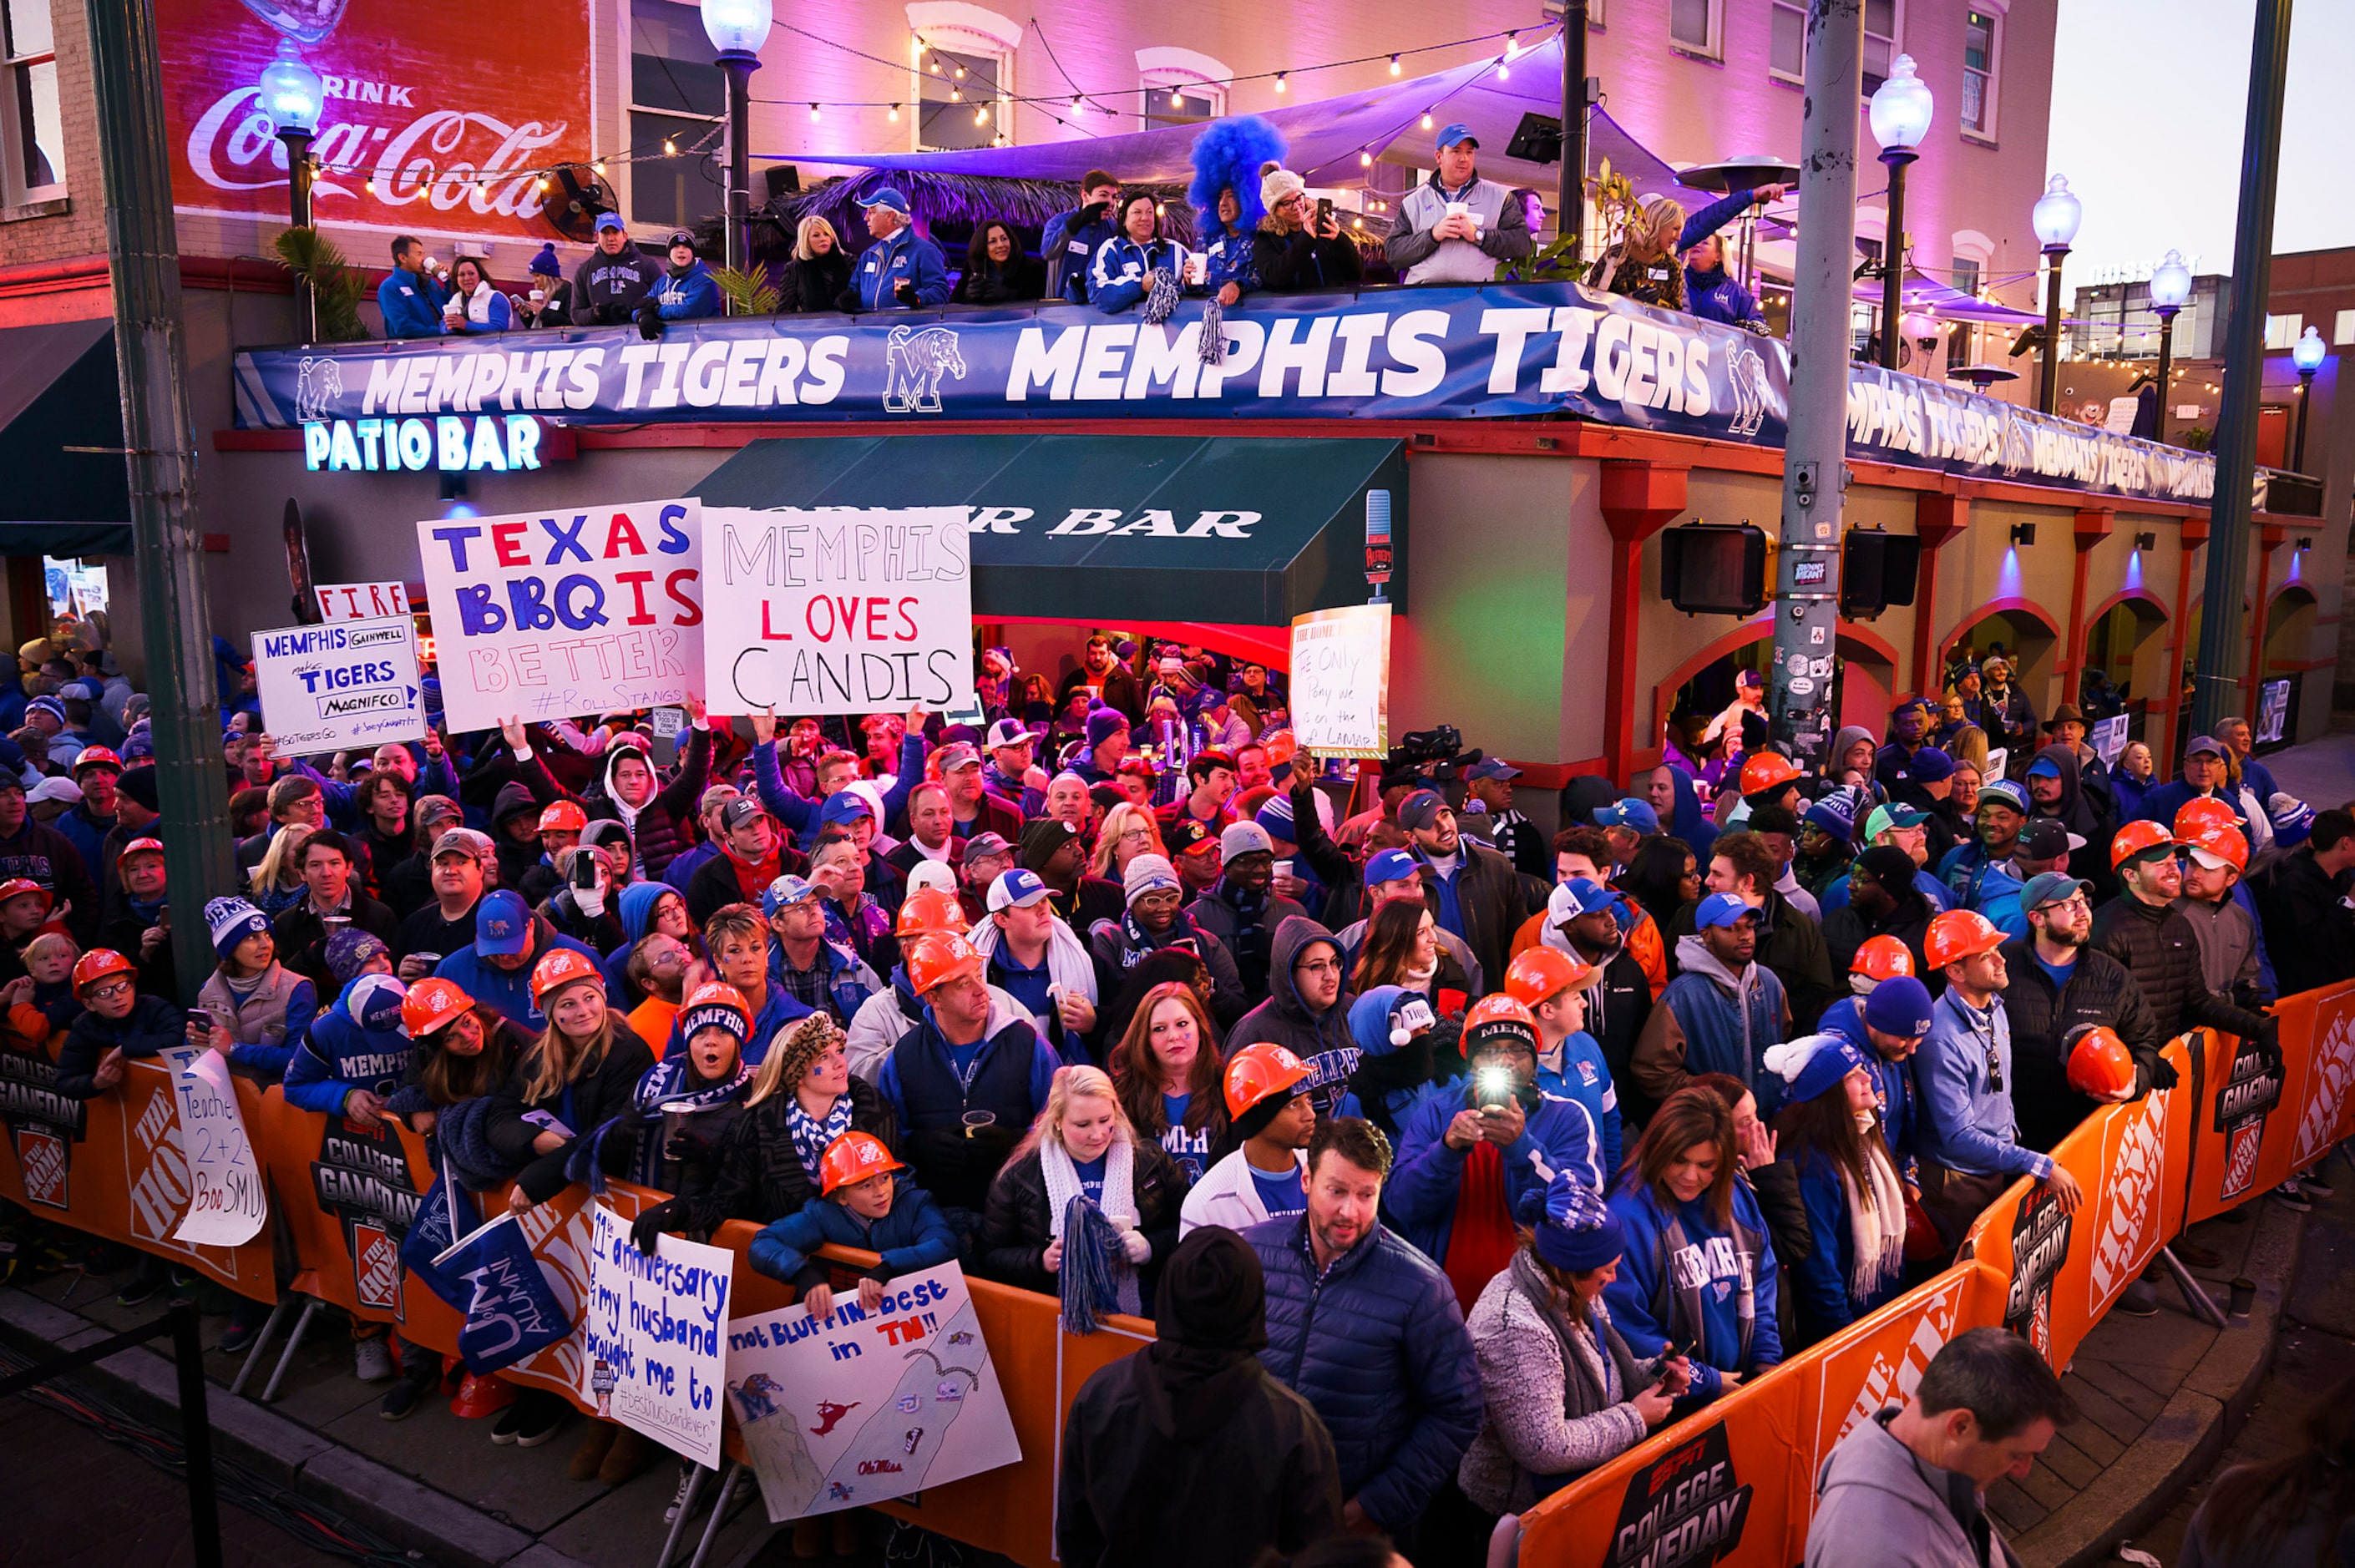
[1878, 1505]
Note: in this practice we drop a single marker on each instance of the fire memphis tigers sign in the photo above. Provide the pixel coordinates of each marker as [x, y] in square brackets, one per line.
[1383, 354]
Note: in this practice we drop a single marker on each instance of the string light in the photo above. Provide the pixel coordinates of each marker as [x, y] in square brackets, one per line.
[1365, 159]
[670, 148]
[813, 111]
[1176, 100]
[1504, 71]
[960, 70]
[1426, 119]
[600, 167]
[956, 95]
[981, 115]
[543, 182]
[1279, 81]
[1394, 65]
[1075, 100]
[1512, 42]
[894, 115]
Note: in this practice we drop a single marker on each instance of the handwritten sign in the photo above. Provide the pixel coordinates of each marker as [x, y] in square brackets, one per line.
[657, 1337]
[1340, 680]
[352, 683]
[361, 601]
[838, 610]
[553, 615]
[227, 1199]
[860, 1407]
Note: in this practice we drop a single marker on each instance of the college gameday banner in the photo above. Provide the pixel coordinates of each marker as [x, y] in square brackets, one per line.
[2268, 1115]
[1392, 354]
[416, 132]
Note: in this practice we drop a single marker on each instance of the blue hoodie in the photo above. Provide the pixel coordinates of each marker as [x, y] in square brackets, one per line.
[358, 1043]
[507, 992]
[1644, 1299]
[1586, 1077]
[687, 296]
[915, 1236]
[1688, 821]
[1713, 296]
[636, 909]
[1421, 1195]
[411, 304]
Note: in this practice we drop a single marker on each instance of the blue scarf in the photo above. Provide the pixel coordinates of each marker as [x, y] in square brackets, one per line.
[811, 1135]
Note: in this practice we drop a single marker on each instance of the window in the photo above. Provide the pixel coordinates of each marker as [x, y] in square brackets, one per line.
[1961, 340]
[1978, 73]
[2282, 332]
[31, 129]
[1786, 52]
[1692, 25]
[957, 99]
[678, 106]
[1880, 42]
[2343, 331]
[1181, 87]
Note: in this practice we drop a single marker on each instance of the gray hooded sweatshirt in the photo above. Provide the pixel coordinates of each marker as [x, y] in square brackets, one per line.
[1878, 1505]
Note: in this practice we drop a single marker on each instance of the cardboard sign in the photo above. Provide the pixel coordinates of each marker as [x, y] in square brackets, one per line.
[1341, 678]
[838, 610]
[349, 685]
[657, 1337]
[2273, 711]
[2109, 738]
[1997, 757]
[552, 615]
[361, 601]
[228, 1200]
[849, 1410]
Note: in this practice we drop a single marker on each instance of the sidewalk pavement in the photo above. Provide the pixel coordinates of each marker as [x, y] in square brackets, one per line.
[2321, 773]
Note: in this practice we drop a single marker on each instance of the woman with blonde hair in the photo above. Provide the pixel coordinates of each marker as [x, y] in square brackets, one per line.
[278, 880]
[1128, 829]
[818, 273]
[1082, 1147]
[1970, 745]
[1643, 266]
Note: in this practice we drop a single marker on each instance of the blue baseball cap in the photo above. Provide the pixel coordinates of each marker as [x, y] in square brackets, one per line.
[1586, 895]
[503, 924]
[842, 808]
[1628, 813]
[1015, 889]
[1492, 767]
[2006, 793]
[1899, 1005]
[1391, 865]
[888, 196]
[1929, 765]
[786, 889]
[1449, 136]
[606, 220]
[1721, 909]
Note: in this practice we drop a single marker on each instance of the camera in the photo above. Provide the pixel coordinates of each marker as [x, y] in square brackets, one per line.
[1437, 752]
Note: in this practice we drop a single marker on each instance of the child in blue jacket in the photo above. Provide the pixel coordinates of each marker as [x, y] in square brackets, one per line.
[862, 1204]
[688, 291]
[354, 1057]
[118, 1024]
[1848, 1184]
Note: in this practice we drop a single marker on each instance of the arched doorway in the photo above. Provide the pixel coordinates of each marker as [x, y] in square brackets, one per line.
[2289, 631]
[1864, 676]
[2125, 659]
[2024, 634]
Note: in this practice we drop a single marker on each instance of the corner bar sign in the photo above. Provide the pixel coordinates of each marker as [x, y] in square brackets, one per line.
[548, 616]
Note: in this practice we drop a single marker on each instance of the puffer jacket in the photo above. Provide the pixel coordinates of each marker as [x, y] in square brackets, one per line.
[1377, 1343]
[1321, 1040]
[953, 1158]
[915, 1236]
[338, 1055]
[2160, 949]
[1017, 1226]
[1421, 1193]
[2100, 991]
[759, 1177]
[265, 1024]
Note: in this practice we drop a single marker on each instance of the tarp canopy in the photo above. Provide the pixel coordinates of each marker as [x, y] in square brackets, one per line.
[1241, 530]
[58, 389]
[1946, 303]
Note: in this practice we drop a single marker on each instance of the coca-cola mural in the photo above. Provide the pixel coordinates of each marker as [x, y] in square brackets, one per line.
[425, 103]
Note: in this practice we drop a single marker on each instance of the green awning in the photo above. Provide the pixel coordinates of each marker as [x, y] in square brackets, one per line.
[58, 390]
[1240, 530]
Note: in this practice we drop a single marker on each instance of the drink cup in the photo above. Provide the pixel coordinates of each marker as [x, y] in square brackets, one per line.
[540, 296]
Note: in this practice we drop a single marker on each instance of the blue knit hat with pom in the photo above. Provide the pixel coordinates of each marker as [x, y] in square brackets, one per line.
[1578, 1230]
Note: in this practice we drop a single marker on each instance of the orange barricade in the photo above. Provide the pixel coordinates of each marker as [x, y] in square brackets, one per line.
[2258, 1126]
[113, 1166]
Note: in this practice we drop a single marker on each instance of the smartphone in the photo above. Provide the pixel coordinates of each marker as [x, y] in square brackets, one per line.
[585, 870]
[1324, 211]
[1495, 1084]
[200, 1021]
[1677, 1348]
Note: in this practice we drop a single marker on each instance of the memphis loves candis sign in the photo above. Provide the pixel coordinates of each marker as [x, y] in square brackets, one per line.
[1393, 353]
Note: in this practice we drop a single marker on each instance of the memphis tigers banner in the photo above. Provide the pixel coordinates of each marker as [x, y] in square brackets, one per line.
[1382, 353]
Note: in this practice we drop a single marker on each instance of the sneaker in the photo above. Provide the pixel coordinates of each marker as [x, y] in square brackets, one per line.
[539, 1422]
[509, 1422]
[371, 1360]
[403, 1398]
[2313, 1186]
[2288, 1196]
[2139, 1299]
[678, 1499]
[138, 1291]
[238, 1339]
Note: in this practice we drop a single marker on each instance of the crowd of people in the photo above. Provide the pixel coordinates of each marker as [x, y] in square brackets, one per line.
[1449, 1159]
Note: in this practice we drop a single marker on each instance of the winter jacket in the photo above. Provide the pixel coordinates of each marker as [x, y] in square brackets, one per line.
[1846, 930]
[86, 834]
[845, 978]
[152, 1024]
[1967, 1124]
[2307, 923]
[38, 852]
[759, 1177]
[2160, 803]
[1421, 1195]
[810, 283]
[1420, 259]
[1253, 951]
[1017, 1224]
[661, 828]
[604, 1093]
[800, 812]
[1682, 1277]
[686, 296]
[1020, 281]
[1710, 1019]
[1321, 1040]
[1376, 1342]
[1878, 1505]
[1818, 1278]
[2042, 1020]
[1068, 244]
[1115, 956]
[1554, 1394]
[914, 1236]
[1713, 296]
[411, 303]
[267, 1022]
[1618, 1004]
[487, 309]
[1122, 272]
[1892, 1085]
[955, 1160]
[606, 289]
[1489, 904]
[2076, 812]
[1577, 1072]
[1989, 887]
[1298, 263]
[1227, 259]
[1794, 943]
[301, 935]
[2161, 950]
[884, 1019]
[907, 257]
[507, 992]
[1227, 1195]
[338, 1055]
[1660, 281]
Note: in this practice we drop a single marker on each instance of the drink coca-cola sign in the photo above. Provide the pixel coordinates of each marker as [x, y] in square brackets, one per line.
[437, 116]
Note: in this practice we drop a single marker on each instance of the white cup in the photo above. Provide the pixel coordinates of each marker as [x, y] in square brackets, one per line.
[432, 265]
[540, 296]
[1283, 869]
[1457, 209]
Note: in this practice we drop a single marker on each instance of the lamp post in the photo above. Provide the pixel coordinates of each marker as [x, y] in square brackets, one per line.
[2170, 286]
[290, 96]
[738, 28]
[2056, 217]
[2307, 357]
[1901, 118]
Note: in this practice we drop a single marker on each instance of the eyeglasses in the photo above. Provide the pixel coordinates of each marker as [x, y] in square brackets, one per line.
[107, 991]
[2073, 902]
[1318, 967]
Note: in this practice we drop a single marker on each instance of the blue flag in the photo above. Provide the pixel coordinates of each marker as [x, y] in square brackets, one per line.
[511, 1314]
[433, 1232]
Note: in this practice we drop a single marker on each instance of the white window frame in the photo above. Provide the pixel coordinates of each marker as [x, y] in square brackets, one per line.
[632, 109]
[2342, 330]
[973, 31]
[1714, 50]
[2282, 333]
[1774, 9]
[1191, 72]
[1896, 37]
[14, 191]
[1998, 13]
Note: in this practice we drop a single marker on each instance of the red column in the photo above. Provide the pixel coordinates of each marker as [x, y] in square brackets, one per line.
[1639, 498]
[2193, 535]
[1938, 518]
[2094, 525]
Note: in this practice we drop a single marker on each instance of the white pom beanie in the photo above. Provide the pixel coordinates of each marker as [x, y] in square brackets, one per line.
[1277, 182]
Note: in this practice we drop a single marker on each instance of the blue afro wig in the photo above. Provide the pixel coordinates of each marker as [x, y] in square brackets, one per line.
[1229, 154]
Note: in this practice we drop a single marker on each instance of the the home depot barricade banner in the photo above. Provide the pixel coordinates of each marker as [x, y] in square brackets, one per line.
[2267, 1115]
[1395, 353]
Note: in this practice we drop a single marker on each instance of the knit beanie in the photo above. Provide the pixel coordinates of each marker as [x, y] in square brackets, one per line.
[1578, 1232]
[1276, 818]
[1103, 722]
[1813, 1065]
[1042, 839]
[138, 784]
[349, 951]
[1899, 1005]
[374, 1003]
[231, 921]
[1147, 873]
[1277, 182]
[546, 264]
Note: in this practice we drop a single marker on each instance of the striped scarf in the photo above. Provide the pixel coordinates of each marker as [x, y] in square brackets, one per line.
[812, 1136]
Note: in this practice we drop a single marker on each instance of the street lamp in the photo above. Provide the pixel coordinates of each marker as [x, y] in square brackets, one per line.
[291, 97]
[2307, 357]
[2056, 217]
[738, 28]
[1901, 118]
[2170, 287]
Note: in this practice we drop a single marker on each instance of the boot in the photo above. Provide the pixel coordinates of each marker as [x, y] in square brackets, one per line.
[589, 1457]
[629, 1454]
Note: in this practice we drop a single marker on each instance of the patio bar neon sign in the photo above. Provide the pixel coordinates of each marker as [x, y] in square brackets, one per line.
[497, 443]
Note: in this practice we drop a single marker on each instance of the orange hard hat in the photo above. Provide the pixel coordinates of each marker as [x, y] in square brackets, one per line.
[1542, 973]
[2099, 1063]
[19, 886]
[1765, 771]
[1959, 934]
[561, 969]
[2222, 839]
[1882, 957]
[2203, 811]
[1494, 1016]
[940, 957]
[2137, 838]
[96, 965]
[1258, 1070]
[563, 817]
[430, 1004]
[931, 910]
[852, 1159]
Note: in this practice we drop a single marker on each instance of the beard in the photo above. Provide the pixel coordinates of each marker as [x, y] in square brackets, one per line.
[2067, 939]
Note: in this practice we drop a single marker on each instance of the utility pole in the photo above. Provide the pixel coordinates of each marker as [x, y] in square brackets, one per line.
[1814, 467]
[159, 444]
[1570, 202]
[2217, 694]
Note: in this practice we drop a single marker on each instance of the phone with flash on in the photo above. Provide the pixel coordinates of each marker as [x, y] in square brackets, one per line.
[1495, 1086]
